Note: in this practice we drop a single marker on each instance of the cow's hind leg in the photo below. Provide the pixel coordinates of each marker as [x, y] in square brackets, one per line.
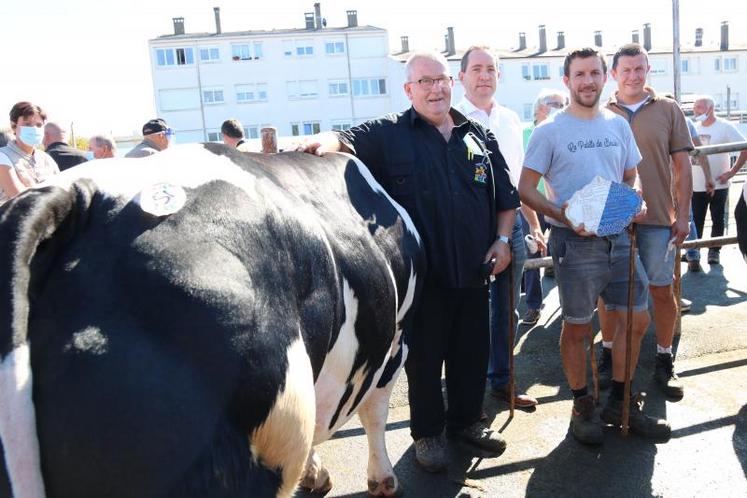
[315, 476]
[373, 414]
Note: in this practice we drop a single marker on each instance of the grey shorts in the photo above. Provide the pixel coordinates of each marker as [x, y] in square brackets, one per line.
[656, 259]
[589, 267]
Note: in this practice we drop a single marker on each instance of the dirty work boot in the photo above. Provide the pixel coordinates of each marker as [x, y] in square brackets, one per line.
[430, 453]
[585, 426]
[604, 368]
[484, 442]
[666, 378]
[640, 423]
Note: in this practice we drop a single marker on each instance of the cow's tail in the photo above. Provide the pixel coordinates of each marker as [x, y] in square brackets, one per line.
[33, 227]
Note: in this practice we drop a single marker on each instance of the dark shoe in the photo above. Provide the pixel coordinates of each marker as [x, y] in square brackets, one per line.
[483, 441]
[585, 425]
[531, 317]
[694, 266]
[666, 378]
[604, 368]
[520, 400]
[640, 423]
[714, 258]
[549, 272]
[685, 305]
[430, 453]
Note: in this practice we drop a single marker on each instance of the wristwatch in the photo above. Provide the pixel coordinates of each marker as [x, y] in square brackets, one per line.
[503, 239]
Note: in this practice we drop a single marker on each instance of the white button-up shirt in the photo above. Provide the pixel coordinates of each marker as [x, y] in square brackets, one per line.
[506, 126]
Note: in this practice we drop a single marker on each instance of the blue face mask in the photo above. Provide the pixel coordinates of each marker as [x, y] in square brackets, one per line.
[31, 135]
[89, 155]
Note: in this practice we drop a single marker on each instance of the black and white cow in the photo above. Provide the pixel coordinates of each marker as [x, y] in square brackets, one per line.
[190, 324]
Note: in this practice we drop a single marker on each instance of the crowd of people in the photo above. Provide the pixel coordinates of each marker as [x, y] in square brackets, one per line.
[483, 191]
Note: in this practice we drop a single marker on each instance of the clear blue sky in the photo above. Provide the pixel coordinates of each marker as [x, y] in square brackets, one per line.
[87, 61]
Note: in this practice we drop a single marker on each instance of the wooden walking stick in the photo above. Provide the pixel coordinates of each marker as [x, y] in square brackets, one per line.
[629, 332]
[594, 370]
[511, 337]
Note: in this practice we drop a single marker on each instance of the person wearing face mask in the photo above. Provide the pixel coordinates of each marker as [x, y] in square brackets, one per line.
[101, 147]
[713, 131]
[22, 165]
[157, 136]
[55, 144]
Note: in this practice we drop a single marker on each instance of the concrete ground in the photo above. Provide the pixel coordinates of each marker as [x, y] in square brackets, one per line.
[706, 455]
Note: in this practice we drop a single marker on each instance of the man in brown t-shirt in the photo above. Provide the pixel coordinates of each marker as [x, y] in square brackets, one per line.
[665, 174]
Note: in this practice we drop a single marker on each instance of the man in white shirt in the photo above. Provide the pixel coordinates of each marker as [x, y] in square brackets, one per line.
[479, 75]
[713, 131]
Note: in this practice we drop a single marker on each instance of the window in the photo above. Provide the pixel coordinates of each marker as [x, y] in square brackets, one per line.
[529, 111]
[717, 64]
[658, 66]
[304, 48]
[251, 131]
[304, 89]
[734, 101]
[525, 72]
[369, 86]
[212, 95]
[251, 92]
[338, 88]
[246, 52]
[174, 56]
[305, 128]
[730, 64]
[541, 72]
[209, 54]
[340, 126]
[685, 66]
[334, 47]
[215, 136]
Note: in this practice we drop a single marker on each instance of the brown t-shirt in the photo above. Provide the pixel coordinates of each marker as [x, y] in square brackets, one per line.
[660, 130]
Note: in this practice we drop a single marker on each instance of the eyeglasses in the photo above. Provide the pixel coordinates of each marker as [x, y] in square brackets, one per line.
[555, 104]
[431, 82]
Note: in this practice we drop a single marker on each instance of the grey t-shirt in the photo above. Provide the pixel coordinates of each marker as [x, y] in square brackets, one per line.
[569, 152]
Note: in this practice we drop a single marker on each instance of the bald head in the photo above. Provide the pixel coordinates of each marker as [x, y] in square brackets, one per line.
[53, 133]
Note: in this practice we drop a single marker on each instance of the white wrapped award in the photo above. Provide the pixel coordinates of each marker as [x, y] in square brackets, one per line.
[604, 207]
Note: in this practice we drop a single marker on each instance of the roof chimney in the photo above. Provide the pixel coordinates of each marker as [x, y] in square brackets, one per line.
[597, 38]
[318, 15]
[647, 36]
[561, 40]
[450, 45]
[725, 35]
[636, 36]
[698, 37]
[522, 41]
[178, 25]
[217, 20]
[309, 20]
[543, 39]
[352, 18]
[405, 44]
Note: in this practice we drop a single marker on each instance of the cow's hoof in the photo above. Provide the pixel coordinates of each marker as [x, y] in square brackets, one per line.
[319, 485]
[388, 487]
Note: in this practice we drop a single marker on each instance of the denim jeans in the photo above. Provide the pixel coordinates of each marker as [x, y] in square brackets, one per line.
[499, 311]
[701, 203]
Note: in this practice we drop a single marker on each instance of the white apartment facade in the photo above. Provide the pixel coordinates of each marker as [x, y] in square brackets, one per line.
[300, 81]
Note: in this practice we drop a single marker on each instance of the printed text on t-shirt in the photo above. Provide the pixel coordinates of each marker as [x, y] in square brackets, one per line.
[593, 144]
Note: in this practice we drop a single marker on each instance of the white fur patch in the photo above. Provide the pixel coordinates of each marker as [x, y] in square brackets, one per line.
[18, 425]
[284, 439]
[376, 187]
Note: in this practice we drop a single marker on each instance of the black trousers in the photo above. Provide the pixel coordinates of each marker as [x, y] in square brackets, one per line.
[451, 327]
[701, 203]
[740, 214]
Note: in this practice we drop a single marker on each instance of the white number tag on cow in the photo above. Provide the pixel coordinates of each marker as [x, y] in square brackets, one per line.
[161, 199]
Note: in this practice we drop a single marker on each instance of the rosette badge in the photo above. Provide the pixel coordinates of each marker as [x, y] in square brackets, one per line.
[604, 207]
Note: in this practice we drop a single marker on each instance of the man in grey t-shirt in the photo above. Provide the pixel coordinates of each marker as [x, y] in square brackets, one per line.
[569, 150]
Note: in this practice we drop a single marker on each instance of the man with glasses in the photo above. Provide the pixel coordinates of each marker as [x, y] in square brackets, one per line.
[449, 175]
[479, 75]
[157, 136]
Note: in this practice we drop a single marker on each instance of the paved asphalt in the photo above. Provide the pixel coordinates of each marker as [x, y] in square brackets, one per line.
[706, 455]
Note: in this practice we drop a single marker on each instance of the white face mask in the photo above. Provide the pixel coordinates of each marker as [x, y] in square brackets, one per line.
[700, 118]
[31, 135]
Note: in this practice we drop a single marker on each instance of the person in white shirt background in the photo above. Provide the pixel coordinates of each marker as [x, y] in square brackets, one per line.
[479, 75]
[713, 130]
